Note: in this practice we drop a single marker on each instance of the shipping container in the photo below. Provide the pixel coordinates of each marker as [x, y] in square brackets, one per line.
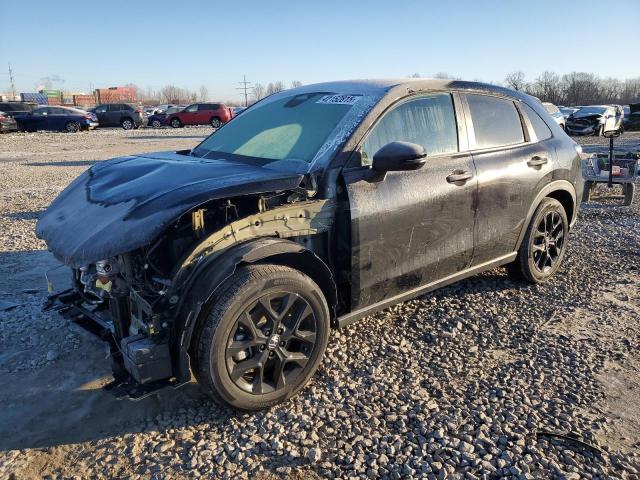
[39, 98]
[116, 94]
[84, 100]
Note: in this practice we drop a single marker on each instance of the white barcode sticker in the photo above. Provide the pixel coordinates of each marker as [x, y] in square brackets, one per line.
[339, 99]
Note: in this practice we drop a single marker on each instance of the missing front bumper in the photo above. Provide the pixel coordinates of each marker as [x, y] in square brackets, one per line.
[140, 367]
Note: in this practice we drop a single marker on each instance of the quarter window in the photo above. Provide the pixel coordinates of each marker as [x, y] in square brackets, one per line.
[428, 121]
[496, 121]
[191, 108]
[540, 128]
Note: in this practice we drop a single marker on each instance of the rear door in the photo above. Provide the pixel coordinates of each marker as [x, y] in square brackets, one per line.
[414, 227]
[512, 166]
[189, 115]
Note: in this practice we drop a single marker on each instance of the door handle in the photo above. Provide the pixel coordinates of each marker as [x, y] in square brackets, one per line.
[459, 176]
[537, 161]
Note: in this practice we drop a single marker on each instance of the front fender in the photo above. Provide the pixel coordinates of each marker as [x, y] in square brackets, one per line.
[199, 285]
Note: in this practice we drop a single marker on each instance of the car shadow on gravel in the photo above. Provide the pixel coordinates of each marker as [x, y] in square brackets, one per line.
[53, 371]
[26, 215]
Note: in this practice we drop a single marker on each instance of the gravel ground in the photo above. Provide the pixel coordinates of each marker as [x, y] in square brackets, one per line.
[483, 379]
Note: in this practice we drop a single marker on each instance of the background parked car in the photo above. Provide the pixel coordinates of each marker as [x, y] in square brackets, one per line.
[125, 115]
[57, 119]
[567, 111]
[214, 114]
[594, 120]
[7, 123]
[11, 109]
[555, 113]
[238, 110]
[159, 119]
[631, 120]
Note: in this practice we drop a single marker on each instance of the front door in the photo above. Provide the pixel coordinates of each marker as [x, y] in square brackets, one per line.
[411, 228]
[101, 113]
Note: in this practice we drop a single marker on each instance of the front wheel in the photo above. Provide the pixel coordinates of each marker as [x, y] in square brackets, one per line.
[127, 124]
[262, 338]
[176, 123]
[156, 124]
[543, 246]
[599, 131]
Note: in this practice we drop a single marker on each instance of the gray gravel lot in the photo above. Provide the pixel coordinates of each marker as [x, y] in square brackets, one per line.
[483, 379]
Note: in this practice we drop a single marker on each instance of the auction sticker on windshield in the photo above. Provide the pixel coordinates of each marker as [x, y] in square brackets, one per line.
[339, 99]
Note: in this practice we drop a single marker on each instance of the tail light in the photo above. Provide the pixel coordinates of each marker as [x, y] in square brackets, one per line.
[2, 117]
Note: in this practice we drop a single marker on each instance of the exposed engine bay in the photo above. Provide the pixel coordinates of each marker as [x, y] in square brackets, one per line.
[139, 301]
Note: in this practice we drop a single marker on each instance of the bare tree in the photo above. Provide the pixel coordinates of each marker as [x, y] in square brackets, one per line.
[414, 75]
[203, 93]
[296, 84]
[258, 92]
[515, 80]
[275, 87]
[547, 87]
[443, 75]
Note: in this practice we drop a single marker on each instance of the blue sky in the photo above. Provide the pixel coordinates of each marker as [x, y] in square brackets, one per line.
[213, 43]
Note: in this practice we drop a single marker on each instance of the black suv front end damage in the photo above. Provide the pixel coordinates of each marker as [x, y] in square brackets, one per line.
[145, 302]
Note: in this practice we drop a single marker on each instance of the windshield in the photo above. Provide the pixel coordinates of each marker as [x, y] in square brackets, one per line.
[590, 111]
[292, 127]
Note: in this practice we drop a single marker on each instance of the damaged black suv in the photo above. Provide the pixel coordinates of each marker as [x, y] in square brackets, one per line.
[314, 208]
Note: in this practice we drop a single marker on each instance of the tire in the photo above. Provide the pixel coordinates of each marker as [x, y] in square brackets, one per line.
[542, 251]
[156, 124]
[598, 131]
[586, 193]
[127, 124]
[215, 122]
[629, 191]
[238, 316]
[72, 127]
[176, 123]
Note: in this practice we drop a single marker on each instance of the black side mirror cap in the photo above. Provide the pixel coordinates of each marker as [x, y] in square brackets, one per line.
[399, 156]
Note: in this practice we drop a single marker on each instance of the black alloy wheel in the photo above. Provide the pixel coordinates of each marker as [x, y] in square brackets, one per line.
[156, 124]
[261, 337]
[215, 122]
[271, 343]
[548, 242]
[543, 246]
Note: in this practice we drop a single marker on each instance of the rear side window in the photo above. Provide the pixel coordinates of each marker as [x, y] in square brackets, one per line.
[496, 121]
[541, 129]
[209, 106]
[429, 121]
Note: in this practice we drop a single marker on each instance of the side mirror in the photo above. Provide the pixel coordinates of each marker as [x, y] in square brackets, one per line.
[611, 133]
[399, 156]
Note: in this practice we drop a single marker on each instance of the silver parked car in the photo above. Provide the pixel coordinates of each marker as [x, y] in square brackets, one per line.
[555, 113]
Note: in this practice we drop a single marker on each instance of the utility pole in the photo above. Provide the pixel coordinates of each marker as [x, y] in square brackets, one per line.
[245, 88]
[13, 87]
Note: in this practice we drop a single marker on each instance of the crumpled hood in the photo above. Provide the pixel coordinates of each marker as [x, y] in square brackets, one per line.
[122, 204]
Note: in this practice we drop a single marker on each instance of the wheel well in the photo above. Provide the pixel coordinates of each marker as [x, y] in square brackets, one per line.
[125, 118]
[314, 268]
[566, 200]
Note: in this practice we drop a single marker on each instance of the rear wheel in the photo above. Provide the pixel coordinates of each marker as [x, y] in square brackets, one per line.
[216, 122]
[543, 246]
[262, 337]
[629, 191]
[72, 127]
[127, 124]
[176, 123]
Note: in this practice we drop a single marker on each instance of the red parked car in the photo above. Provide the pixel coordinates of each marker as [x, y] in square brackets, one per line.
[214, 114]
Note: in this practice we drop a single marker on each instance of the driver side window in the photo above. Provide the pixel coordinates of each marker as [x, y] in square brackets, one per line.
[428, 121]
[191, 108]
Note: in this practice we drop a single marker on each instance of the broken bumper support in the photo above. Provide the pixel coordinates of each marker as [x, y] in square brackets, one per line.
[68, 304]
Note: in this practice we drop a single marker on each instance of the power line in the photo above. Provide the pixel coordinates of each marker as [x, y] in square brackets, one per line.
[244, 87]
